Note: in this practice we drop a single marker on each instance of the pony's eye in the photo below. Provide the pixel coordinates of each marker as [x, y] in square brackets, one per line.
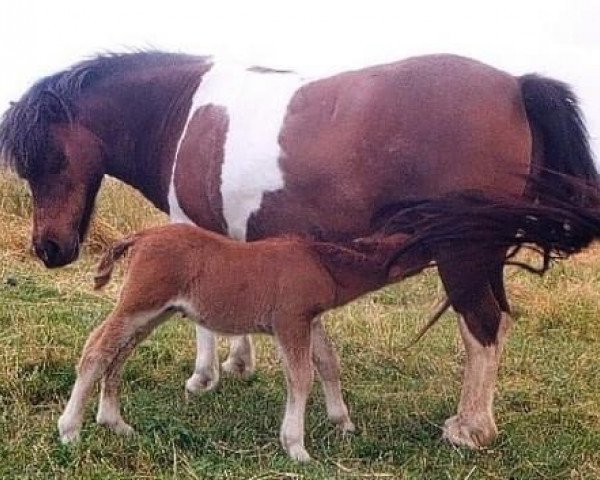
[56, 164]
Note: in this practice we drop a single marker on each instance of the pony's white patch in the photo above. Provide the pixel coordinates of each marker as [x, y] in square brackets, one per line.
[256, 103]
[176, 213]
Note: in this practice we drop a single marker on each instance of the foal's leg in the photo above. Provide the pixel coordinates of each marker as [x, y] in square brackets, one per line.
[116, 336]
[109, 407]
[327, 362]
[69, 423]
[295, 347]
[484, 328]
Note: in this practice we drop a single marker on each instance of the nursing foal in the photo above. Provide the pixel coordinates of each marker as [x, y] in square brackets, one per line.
[275, 286]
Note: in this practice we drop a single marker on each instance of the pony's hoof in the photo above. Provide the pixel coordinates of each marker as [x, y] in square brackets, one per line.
[346, 426]
[202, 382]
[238, 367]
[473, 433]
[299, 454]
[68, 430]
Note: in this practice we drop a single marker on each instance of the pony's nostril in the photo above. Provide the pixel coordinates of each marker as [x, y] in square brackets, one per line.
[53, 254]
[51, 251]
[40, 252]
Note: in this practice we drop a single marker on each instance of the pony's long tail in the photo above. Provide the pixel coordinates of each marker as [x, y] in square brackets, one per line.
[107, 263]
[559, 131]
[459, 222]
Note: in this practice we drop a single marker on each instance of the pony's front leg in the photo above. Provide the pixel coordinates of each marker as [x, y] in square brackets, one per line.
[206, 371]
[241, 357]
[474, 426]
[295, 348]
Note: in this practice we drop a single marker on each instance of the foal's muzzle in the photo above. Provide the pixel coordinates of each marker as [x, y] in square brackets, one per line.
[53, 254]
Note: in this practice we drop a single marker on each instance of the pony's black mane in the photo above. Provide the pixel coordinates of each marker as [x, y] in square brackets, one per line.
[53, 99]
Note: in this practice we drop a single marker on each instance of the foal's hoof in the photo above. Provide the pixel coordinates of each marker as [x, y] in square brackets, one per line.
[117, 425]
[68, 430]
[299, 454]
[238, 367]
[342, 423]
[471, 433]
[202, 382]
[122, 428]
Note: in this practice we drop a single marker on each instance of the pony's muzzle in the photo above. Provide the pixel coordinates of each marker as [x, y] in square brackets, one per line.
[53, 254]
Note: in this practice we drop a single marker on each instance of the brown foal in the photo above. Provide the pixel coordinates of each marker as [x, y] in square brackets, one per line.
[275, 286]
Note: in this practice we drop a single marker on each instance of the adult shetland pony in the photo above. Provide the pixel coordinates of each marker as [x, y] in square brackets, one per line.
[253, 152]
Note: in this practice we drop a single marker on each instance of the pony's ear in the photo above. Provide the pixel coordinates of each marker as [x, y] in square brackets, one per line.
[53, 107]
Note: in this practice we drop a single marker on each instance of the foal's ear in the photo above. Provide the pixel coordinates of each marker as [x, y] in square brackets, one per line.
[396, 273]
[414, 261]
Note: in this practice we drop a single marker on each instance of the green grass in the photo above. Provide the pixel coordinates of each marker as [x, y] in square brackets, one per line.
[547, 405]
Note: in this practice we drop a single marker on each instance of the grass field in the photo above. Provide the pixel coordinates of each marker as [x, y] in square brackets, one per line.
[548, 402]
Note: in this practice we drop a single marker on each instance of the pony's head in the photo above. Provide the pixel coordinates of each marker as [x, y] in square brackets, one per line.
[62, 162]
[71, 128]
[64, 193]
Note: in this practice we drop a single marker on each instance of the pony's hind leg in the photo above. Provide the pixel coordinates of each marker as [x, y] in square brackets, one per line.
[115, 337]
[295, 348]
[473, 426]
[483, 328]
[328, 366]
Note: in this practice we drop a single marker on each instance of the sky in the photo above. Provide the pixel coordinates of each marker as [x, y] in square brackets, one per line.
[558, 38]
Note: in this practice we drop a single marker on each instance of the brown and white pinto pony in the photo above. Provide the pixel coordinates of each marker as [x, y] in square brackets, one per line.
[279, 287]
[254, 153]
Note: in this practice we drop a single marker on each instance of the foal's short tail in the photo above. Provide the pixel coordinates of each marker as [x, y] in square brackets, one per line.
[106, 265]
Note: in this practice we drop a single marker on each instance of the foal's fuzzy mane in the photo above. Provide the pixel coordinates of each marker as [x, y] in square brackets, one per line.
[53, 99]
[356, 255]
